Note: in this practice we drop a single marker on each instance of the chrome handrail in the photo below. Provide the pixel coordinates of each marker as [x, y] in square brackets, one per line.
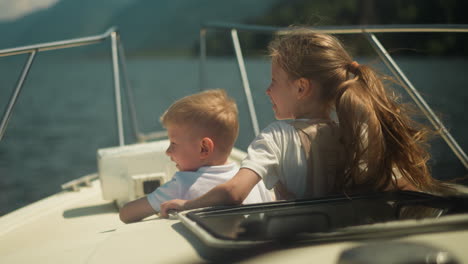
[76, 42]
[369, 32]
[117, 52]
[410, 28]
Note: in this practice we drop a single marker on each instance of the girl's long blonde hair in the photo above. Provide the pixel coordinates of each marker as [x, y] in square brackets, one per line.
[380, 138]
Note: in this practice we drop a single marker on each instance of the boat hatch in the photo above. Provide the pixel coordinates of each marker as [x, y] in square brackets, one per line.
[326, 219]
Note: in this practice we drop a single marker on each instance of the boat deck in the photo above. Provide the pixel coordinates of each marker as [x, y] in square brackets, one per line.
[86, 229]
[81, 227]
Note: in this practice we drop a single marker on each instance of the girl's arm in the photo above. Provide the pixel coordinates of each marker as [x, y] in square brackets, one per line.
[232, 192]
[136, 210]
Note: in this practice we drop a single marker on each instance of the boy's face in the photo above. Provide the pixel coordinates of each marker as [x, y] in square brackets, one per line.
[281, 94]
[184, 148]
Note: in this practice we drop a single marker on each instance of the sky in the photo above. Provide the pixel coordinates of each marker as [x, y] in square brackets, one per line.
[14, 9]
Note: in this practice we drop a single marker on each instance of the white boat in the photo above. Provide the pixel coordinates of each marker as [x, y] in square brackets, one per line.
[81, 224]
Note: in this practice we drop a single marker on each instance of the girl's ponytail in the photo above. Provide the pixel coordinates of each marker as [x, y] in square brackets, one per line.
[382, 142]
[360, 132]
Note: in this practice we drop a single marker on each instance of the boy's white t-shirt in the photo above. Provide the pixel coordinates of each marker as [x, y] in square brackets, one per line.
[189, 185]
[276, 154]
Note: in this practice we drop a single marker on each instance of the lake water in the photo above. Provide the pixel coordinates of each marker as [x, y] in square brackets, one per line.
[66, 112]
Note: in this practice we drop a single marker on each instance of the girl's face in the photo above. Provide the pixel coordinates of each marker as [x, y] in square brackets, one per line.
[281, 93]
[184, 148]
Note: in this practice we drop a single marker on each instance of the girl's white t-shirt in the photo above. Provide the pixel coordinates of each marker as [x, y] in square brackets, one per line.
[276, 154]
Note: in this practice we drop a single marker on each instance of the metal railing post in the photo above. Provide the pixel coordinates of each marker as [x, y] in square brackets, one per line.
[118, 100]
[16, 92]
[417, 98]
[130, 95]
[245, 81]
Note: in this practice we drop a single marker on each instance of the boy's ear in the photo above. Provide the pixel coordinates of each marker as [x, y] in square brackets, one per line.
[207, 147]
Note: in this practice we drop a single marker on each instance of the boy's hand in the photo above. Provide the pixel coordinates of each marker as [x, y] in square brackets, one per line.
[177, 205]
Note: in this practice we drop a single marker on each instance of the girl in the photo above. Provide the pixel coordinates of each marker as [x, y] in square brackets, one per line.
[376, 146]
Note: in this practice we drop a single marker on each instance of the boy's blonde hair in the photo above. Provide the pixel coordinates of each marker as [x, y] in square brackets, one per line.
[212, 112]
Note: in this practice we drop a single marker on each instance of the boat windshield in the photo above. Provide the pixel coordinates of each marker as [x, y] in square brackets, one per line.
[321, 218]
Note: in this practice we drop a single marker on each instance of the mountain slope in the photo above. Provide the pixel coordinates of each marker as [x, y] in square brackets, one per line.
[144, 24]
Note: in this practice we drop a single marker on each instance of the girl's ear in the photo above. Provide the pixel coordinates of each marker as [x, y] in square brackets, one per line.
[206, 147]
[304, 87]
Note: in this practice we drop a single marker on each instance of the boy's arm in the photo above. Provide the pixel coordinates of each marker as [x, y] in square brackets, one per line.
[136, 210]
[232, 192]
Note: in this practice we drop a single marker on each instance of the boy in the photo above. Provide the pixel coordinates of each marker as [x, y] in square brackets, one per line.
[202, 129]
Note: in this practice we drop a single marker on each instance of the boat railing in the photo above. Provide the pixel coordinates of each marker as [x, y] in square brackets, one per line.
[118, 65]
[369, 32]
